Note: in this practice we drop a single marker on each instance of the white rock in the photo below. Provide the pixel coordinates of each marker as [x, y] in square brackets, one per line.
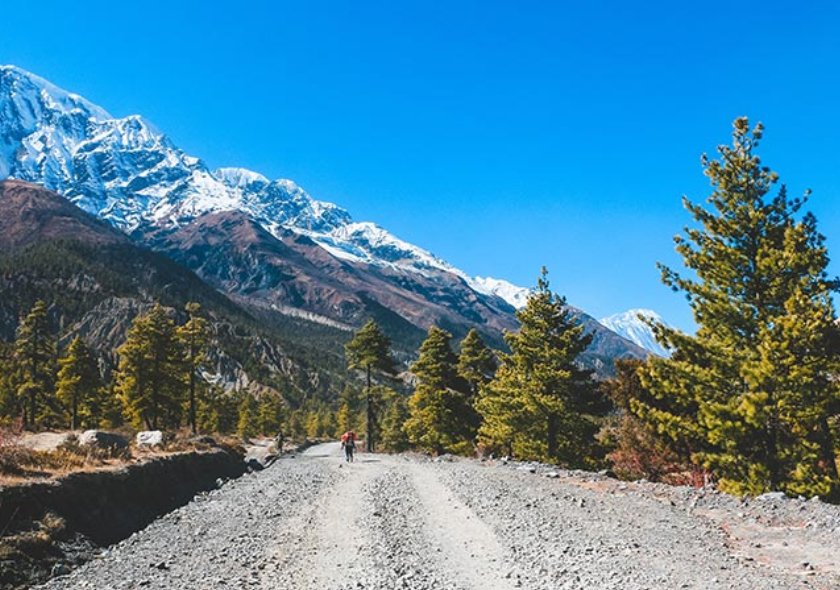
[149, 438]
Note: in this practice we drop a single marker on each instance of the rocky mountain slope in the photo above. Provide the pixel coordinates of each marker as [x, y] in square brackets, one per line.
[97, 280]
[267, 243]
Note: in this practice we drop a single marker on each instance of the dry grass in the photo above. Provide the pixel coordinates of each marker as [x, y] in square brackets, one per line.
[19, 464]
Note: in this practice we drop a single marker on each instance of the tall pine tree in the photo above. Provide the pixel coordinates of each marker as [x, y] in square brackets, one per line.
[540, 403]
[79, 385]
[476, 363]
[150, 374]
[35, 355]
[194, 335]
[752, 391]
[441, 418]
[370, 351]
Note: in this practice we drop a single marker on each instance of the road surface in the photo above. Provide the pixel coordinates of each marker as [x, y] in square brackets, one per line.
[386, 522]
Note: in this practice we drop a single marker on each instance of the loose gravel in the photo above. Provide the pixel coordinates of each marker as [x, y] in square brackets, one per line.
[388, 522]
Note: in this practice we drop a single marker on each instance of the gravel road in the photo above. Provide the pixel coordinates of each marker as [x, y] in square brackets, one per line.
[388, 522]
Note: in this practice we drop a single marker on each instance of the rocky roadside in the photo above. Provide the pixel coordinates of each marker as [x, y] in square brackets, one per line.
[389, 522]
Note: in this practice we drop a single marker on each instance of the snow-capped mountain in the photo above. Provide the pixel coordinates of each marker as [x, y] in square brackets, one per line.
[313, 257]
[127, 171]
[630, 326]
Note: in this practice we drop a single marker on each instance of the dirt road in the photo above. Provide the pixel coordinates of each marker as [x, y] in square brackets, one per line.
[387, 522]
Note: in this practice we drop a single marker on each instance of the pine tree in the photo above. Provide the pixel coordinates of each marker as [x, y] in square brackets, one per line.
[195, 335]
[347, 417]
[441, 419]
[635, 449]
[35, 354]
[540, 403]
[10, 402]
[370, 351]
[751, 393]
[394, 437]
[79, 385]
[476, 363]
[218, 410]
[246, 425]
[270, 414]
[150, 373]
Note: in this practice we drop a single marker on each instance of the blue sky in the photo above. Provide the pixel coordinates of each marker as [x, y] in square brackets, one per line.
[501, 136]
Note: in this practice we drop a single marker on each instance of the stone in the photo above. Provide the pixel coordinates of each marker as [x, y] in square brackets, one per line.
[103, 440]
[46, 441]
[771, 497]
[60, 569]
[149, 438]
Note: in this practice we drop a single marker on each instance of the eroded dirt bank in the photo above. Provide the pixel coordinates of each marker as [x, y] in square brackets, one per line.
[50, 527]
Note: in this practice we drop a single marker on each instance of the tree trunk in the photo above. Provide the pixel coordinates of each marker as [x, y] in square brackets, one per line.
[192, 402]
[829, 458]
[74, 414]
[552, 436]
[33, 407]
[369, 442]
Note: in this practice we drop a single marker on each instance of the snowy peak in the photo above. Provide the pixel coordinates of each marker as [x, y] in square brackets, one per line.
[33, 96]
[241, 178]
[513, 294]
[630, 325]
[129, 173]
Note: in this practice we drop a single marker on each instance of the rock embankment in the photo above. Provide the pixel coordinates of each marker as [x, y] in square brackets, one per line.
[49, 527]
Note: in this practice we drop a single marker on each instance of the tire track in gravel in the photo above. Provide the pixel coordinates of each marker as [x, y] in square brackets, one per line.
[469, 549]
[387, 523]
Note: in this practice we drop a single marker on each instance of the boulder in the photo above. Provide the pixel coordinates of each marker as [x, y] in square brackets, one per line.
[771, 497]
[46, 441]
[254, 465]
[102, 440]
[149, 438]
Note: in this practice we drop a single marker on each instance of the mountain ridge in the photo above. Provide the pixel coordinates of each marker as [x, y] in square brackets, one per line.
[127, 172]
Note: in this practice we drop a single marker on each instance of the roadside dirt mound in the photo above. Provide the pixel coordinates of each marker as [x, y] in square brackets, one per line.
[47, 527]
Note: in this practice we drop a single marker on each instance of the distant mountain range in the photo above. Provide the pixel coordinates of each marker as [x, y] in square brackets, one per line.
[264, 243]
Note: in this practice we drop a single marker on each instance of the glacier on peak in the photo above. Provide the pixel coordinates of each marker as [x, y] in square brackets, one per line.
[630, 325]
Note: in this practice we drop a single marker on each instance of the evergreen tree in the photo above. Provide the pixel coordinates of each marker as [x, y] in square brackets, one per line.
[370, 351]
[150, 373]
[35, 355]
[476, 363]
[635, 449]
[752, 391]
[247, 424]
[79, 385]
[540, 403]
[10, 403]
[441, 418]
[347, 417]
[218, 410]
[195, 335]
[394, 437]
[270, 414]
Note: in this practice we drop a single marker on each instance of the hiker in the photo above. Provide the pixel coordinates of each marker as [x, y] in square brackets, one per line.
[278, 442]
[348, 443]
